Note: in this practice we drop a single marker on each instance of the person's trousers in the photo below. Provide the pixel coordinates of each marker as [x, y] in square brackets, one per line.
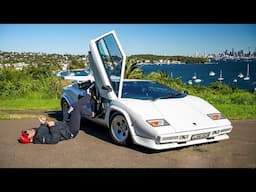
[76, 113]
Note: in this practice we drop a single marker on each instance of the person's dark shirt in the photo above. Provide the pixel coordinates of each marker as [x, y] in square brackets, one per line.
[52, 135]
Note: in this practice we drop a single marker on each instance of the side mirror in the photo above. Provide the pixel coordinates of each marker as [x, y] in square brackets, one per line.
[107, 87]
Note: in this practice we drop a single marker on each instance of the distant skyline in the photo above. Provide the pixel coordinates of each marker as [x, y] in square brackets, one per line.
[160, 39]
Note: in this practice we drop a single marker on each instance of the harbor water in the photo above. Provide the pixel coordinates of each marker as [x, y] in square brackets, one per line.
[234, 72]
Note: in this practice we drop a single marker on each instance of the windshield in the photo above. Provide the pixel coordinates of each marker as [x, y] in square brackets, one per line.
[148, 90]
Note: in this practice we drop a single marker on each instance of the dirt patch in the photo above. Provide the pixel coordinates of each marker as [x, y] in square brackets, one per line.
[20, 114]
[23, 112]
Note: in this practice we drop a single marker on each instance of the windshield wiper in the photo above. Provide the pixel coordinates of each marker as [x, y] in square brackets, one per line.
[170, 95]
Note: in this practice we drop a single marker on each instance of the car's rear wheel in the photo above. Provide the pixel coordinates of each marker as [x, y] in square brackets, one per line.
[119, 129]
[64, 108]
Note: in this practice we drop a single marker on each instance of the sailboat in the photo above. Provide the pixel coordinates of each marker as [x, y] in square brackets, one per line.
[196, 80]
[247, 73]
[211, 73]
[194, 77]
[190, 82]
[240, 75]
[221, 78]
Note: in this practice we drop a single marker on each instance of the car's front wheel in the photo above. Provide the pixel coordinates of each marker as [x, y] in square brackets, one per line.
[64, 109]
[119, 129]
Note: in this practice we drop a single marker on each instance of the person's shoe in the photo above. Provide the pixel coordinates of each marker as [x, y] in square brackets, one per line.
[70, 109]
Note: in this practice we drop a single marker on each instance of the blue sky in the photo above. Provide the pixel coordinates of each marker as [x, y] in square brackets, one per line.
[164, 39]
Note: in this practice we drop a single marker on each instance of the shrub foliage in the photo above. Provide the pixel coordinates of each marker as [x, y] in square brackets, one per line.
[29, 82]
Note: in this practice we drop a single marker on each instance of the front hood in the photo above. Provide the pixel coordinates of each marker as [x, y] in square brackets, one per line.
[146, 109]
[183, 114]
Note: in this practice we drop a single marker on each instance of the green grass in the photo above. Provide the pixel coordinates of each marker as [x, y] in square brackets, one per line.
[30, 104]
[235, 111]
[237, 105]
[17, 116]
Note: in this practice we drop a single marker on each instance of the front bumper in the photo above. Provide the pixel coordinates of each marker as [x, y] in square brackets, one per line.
[184, 139]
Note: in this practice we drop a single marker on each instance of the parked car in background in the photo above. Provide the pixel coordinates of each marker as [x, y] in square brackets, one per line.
[141, 111]
[76, 75]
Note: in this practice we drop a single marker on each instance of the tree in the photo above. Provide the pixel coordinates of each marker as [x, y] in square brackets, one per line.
[75, 64]
[132, 71]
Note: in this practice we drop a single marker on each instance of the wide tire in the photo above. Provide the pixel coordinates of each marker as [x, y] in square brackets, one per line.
[119, 129]
[64, 109]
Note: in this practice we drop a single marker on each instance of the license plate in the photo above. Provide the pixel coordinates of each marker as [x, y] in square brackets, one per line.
[200, 136]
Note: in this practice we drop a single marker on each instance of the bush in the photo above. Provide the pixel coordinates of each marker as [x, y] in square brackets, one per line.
[218, 87]
[28, 82]
[243, 98]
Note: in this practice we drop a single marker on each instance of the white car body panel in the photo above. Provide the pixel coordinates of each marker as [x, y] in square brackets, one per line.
[186, 116]
[175, 110]
[79, 78]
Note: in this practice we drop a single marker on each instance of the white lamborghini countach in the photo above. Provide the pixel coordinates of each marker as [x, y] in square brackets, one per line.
[142, 112]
